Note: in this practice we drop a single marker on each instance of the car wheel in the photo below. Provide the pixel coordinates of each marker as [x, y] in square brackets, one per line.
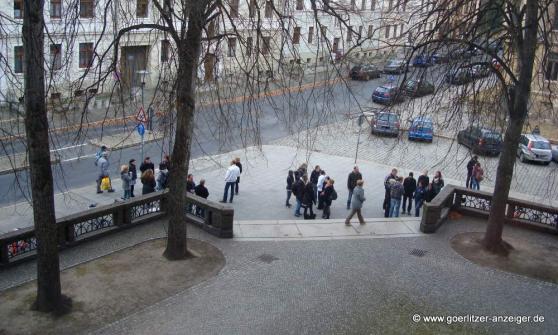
[546, 163]
[522, 158]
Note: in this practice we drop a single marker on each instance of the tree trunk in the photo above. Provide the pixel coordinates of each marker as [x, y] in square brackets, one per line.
[188, 56]
[49, 295]
[517, 114]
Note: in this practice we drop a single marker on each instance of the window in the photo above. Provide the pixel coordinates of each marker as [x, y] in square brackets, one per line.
[555, 25]
[56, 56]
[18, 59]
[18, 9]
[350, 34]
[373, 5]
[370, 31]
[234, 9]
[266, 45]
[404, 5]
[353, 4]
[363, 5]
[323, 30]
[141, 8]
[551, 72]
[299, 4]
[252, 8]
[390, 4]
[232, 47]
[55, 9]
[249, 46]
[87, 8]
[165, 50]
[387, 31]
[310, 34]
[268, 9]
[296, 35]
[359, 33]
[85, 55]
[335, 44]
[401, 28]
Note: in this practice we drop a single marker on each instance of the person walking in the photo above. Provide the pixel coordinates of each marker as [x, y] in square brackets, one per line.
[478, 176]
[420, 196]
[126, 180]
[437, 184]
[470, 166]
[409, 187]
[233, 172]
[99, 154]
[351, 183]
[146, 165]
[201, 191]
[103, 166]
[396, 193]
[387, 187]
[163, 177]
[239, 165]
[308, 199]
[134, 174]
[329, 194]
[322, 179]
[148, 181]
[298, 191]
[290, 182]
[356, 203]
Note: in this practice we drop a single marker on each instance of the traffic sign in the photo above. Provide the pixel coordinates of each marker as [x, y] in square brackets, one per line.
[141, 129]
[141, 116]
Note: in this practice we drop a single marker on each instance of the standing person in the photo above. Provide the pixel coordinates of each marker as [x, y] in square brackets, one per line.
[470, 166]
[99, 154]
[167, 161]
[190, 184]
[126, 181]
[233, 172]
[148, 181]
[163, 177]
[290, 182]
[298, 191]
[302, 170]
[396, 193]
[478, 176]
[424, 179]
[437, 184]
[329, 194]
[314, 176]
[239, 165]
[201, 191]
[387, 187]
[351, 183]
[409, 187]
[308, 199]
[321, 184]
[420, 196]
[134, 174]
[356, 203]
[103, 165]
[146, 165]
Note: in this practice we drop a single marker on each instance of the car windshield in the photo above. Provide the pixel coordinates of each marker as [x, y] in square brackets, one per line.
[395, 62]
[388, 117]
[493, 137]
[382, 89]
[411, 83]
[541, 145]
[422, 124]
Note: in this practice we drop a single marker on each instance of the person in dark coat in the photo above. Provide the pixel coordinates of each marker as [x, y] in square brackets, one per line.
[134, 173]
[190, 184]
[146, 165]
[298, 191]
[308, 199]
[327, 195]
[423, 179]
[470, 166]
[237, 163]
[201, 191]
[436, 186]
[315, 175]
[387, 195]
[420, 197]
[290, 182]
[409, 187]
[148, 181]
[302, 170]
[351, 183]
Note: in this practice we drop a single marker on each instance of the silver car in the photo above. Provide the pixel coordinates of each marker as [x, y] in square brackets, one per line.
[534, 148]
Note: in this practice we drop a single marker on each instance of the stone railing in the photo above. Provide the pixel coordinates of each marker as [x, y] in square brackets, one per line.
[73, 229]
[477, 203]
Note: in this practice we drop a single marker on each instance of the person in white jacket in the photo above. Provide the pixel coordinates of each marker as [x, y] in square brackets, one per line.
[233, 172]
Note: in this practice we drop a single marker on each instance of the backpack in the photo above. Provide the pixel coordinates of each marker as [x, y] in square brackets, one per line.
[334, 195]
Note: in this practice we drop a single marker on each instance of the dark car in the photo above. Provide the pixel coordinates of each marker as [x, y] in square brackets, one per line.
[423, 60]
[385, 124]
[440, 57]
[481, 140]
[396, 66]
[388, 95]
[364, 72]
[421, 129]
[418, 87]
[480, 71]
[459, 76]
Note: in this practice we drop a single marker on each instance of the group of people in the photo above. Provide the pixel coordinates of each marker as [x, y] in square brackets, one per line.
[475, 174]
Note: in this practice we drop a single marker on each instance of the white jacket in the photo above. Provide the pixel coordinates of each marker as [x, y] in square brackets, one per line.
[321, 180]
[233, 172]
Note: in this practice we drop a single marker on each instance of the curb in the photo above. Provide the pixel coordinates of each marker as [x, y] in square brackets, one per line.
[25, 167]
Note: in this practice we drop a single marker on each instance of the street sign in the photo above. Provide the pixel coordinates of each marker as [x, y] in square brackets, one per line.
[141, 116]
[141, 129]
[391, 77]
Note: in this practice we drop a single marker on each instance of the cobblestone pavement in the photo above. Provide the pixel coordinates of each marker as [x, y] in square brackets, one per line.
[531, 181]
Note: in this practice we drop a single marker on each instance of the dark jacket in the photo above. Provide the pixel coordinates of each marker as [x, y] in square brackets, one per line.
[328, 191]
[201, 191]
[314, 177]
[240, 168]
[309, 197]
[148, 185]
[424, 180]
[351, 181]
[190, 186]
[290, 182]
[133, 171]
[410, 185]
[298, 190]
[396, 191]
[437, 185]
[470, 166]
[420, 194]
[146, 166]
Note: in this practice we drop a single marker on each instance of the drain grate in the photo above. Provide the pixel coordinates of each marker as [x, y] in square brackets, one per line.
[267, 258]
[418, 252]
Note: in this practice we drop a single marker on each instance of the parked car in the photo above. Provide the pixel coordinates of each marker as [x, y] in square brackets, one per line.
[555, 154]
[422, 60]
[421, 129]
[418, 87]
[481, 140]
[480, 71]
[364, 72]
[459, 76]
[385, 123]
[396, 66]
[534, 148]
[388, 94]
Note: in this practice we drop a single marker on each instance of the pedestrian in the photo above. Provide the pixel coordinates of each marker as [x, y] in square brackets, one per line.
[309, 199]
[356, 203]
[387, 196]
[437, 184]
[302, 170]
[201, 191]
[322, 179]
[126, 181]
[290, 182]
[146, 165]
[536, 130]
[190, 184]
[351, 183]
[163, 177]
[329, 194]
[314, 176]
[424, 179]
[134, 174]
[237, 163]
[298, 191]
[420, 196]
[396, 193]
[103, 165]
[233, 172]
[478, 176]
[409, 187]
[148, 181]
[470, 166]
[167, 161]
[99, 154]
